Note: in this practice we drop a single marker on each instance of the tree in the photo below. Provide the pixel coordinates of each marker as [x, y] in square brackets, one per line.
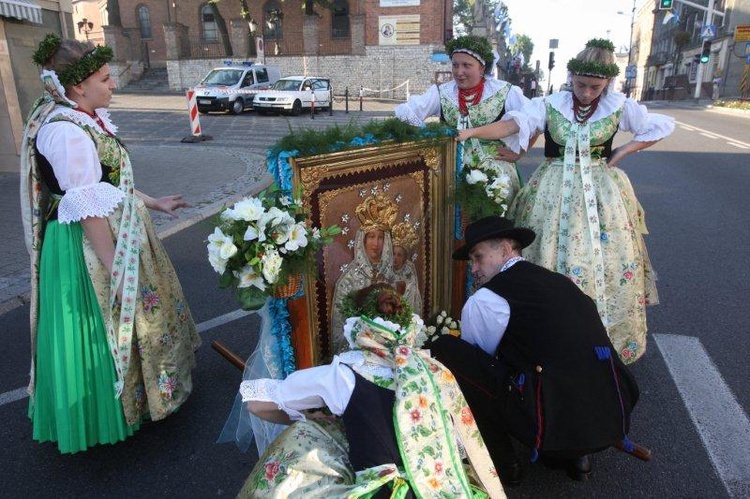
[463, 14]
[526, 47]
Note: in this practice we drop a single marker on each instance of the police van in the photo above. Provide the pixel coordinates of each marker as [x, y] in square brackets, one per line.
[231, 87]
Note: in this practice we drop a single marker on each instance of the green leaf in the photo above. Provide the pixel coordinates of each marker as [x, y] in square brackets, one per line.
[226, 279]
[251, 298]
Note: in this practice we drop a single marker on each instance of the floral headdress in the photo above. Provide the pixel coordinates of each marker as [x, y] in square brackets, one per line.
[376, 213]
[477, 47]
[405, 235]
[75, 72]
[594, 68]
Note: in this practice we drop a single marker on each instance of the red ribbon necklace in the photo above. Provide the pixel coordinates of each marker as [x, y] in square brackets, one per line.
[583, 113]
[470, 96]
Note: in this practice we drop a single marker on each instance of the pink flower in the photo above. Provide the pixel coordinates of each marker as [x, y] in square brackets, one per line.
[627, 275]
[466, 416]
[272, 469]
[416, 416]
[438, 468]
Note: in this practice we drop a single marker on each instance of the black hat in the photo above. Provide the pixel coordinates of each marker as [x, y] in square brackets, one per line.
[493, 227]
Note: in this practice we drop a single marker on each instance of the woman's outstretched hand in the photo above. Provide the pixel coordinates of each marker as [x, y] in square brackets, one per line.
[168, 204]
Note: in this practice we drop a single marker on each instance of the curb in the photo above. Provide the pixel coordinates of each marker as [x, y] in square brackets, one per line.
[206, 212]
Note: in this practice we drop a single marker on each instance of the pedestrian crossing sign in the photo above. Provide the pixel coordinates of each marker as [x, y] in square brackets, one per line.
[708, 32]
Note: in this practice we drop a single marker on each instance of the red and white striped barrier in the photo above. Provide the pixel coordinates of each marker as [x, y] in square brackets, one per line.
[195, 123]
[218, 90]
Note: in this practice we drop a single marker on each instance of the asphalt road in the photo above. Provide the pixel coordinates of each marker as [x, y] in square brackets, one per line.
[694, 191]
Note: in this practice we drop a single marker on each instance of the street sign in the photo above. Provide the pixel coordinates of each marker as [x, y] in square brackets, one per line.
[708, 32]
[631, 72]
[742, 33]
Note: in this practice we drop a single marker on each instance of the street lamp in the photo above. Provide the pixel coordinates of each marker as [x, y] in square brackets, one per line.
[275, 17]
[85, 26]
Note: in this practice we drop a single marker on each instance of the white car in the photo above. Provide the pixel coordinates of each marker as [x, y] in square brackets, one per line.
[232, 87]
[293, 93]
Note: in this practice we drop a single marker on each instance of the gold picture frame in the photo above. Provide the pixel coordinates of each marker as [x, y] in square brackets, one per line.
[408, 185]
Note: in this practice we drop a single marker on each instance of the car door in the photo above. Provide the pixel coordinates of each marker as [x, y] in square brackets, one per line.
[306, 92]
[322, 94]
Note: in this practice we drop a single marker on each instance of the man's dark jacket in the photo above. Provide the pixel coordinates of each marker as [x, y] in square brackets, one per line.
[555, 350]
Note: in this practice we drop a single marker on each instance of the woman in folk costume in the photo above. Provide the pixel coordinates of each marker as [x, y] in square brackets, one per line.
[588, 222]
[473, 98]
[402, 412]
[112, 336]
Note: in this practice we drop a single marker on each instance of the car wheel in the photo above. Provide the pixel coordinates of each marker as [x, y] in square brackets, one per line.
[296, 108]
[238, 106]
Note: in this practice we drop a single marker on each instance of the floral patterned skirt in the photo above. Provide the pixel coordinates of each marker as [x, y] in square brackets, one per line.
[628, 282]
[309, 459]
[159, 379]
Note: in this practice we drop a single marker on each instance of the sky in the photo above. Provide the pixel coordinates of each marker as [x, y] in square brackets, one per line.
[573, 22]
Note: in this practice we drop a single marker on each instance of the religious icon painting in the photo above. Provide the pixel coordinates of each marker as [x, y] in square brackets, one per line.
[391, 202]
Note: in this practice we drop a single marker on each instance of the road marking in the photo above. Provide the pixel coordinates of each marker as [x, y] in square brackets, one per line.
[20, 393]
[12, 396]
[729, 139]
[688, 128]
[735, 144]
[222, 319]
[709, 135]
[722, 425]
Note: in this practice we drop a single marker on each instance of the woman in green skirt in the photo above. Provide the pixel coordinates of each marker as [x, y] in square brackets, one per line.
[112, 338]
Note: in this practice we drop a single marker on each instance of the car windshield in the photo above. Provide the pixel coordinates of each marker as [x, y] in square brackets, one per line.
[286, 85]
[223, 77]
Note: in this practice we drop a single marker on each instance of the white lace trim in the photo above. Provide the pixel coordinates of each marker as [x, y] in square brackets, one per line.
[95, 200]
[84, 119]
[262, 390]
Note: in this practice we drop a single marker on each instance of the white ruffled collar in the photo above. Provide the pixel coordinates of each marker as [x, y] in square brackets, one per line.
[608, 104]
[84, 119]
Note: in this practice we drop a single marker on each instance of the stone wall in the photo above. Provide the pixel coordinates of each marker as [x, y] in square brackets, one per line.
[380, 69]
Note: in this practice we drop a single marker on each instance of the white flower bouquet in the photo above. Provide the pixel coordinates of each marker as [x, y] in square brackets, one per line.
[483, 191]
[261, 243]
[442, 324]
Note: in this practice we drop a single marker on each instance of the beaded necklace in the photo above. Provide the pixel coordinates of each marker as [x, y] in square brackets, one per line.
[583, 113]
[470, 96]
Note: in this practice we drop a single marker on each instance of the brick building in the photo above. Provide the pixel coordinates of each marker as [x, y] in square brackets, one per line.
[189, 36]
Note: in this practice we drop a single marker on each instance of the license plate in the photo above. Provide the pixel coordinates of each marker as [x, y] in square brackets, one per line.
[204, 101]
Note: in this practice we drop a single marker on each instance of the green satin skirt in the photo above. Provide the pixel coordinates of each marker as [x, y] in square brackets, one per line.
[74, 402]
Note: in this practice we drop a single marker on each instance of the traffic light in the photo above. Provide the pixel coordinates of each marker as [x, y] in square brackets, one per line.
[706, 51]
[665, 4]
[551, 63]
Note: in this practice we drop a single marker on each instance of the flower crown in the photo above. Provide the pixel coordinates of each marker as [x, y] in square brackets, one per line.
[475, 46]
[364, 302]
[75, 72]
[594, 68]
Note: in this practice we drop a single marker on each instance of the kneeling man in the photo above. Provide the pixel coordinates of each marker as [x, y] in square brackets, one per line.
[534, 360]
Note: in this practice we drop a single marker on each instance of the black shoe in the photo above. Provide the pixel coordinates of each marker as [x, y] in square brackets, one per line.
[511, 474]
[579, 469]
